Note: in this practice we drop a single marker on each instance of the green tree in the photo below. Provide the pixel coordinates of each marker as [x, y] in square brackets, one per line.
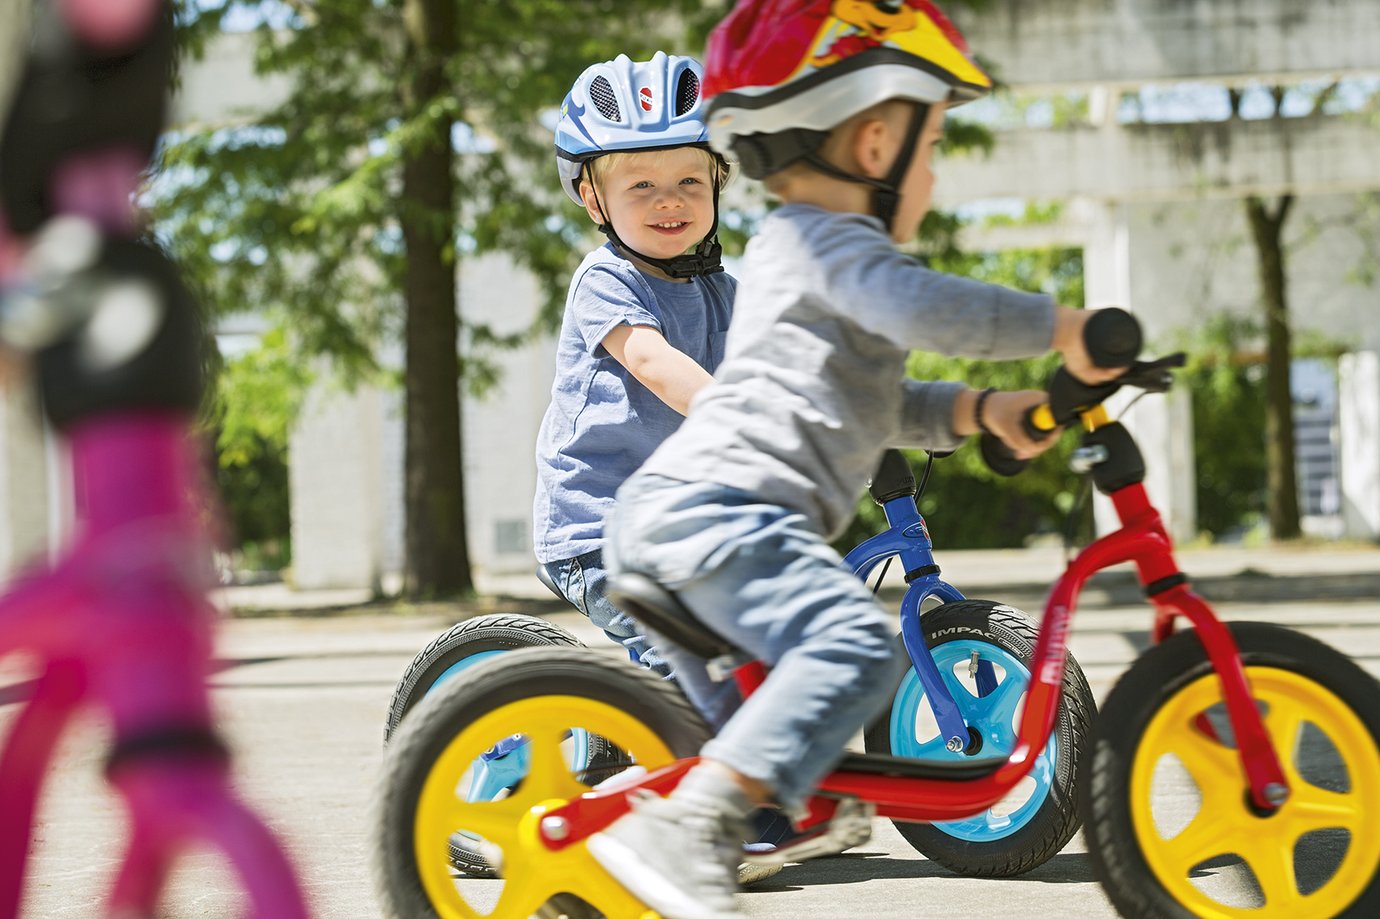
[1267, 220]
[249, 417]
[409, 138]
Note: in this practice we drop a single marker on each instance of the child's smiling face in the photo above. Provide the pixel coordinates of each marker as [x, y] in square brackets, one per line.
[661, 202]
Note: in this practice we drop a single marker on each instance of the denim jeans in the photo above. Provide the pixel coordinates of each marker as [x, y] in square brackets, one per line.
[584, 582]
[761, 577]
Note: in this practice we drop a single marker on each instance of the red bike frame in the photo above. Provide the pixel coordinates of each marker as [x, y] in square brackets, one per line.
[1142, 540]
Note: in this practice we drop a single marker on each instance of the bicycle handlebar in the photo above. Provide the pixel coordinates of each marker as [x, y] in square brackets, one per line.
[1113, 339]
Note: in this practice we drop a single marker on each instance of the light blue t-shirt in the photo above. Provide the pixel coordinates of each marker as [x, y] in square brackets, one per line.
[602, 423]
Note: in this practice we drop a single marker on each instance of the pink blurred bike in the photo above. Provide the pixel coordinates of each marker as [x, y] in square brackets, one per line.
[120, 625]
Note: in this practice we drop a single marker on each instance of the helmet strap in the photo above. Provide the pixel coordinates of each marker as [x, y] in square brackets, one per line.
[886, 193]
[706, 259]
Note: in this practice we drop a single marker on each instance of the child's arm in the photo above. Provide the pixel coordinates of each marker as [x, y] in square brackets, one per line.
[927, 407]
[671, 375]
[892, 295]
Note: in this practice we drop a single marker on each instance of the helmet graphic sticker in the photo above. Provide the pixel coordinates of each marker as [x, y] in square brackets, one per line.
[776, 65]
[781, 74]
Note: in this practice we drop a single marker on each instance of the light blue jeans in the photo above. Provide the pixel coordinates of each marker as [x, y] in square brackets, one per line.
[758, 575]
[584, 582]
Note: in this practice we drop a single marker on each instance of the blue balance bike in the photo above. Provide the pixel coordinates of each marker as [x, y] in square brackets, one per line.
[961, 699]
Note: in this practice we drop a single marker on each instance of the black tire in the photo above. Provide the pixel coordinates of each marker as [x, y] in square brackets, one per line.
[1155, 679]
[521, 675]
[498, 632]
[1051, 826]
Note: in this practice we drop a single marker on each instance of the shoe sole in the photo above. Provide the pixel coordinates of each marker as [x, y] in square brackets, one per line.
[750, 873]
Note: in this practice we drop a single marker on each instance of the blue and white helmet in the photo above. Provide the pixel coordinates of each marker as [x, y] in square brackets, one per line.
[626, 106]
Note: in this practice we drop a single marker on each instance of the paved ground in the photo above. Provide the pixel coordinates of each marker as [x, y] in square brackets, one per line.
[303, 700]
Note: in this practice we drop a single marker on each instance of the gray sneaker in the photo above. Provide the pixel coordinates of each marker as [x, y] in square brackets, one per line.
[678, 855]
[755, 872]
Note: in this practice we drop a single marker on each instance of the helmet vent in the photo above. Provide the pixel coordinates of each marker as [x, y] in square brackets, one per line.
[687, 93]
[601, 92]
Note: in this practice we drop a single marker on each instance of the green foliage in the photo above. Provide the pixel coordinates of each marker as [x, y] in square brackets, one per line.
[296, 213]
[1226, 377]
[254, 402]
[256, 398]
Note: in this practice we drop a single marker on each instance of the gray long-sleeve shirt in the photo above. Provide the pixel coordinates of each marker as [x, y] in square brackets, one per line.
[812, 388]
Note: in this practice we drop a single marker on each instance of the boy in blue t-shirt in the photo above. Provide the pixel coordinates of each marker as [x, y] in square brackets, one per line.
[645, 317]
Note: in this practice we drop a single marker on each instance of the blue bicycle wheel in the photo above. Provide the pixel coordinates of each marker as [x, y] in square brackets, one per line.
[981, 649]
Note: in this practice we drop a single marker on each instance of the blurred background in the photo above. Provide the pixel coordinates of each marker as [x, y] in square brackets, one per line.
[364, 194]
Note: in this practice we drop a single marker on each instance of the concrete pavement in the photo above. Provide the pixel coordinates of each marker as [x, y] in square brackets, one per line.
[1222, 573]
[303, 701]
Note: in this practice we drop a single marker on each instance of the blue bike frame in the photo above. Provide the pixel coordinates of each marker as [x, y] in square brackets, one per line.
[908, 539]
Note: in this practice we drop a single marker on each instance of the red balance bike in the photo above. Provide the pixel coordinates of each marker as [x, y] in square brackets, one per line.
[1235, 769]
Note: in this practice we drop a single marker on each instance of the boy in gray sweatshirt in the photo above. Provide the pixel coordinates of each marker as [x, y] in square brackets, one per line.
[734, 511]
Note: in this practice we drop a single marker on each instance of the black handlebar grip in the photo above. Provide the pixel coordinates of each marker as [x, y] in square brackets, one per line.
[893, 479]
[998, 456]
[1112, 337]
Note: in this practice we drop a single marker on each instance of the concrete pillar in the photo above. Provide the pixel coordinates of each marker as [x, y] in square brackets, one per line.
[336, 456]
[1162, 425]
[1358, 379]
[1163, 428]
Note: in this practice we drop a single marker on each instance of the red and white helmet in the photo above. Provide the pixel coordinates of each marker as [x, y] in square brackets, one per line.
[783, 65]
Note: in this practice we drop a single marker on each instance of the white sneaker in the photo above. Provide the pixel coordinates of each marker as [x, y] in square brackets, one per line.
[678, 855]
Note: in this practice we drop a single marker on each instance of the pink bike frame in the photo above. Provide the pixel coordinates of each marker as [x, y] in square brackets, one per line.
[121, 624]
[1142, 540]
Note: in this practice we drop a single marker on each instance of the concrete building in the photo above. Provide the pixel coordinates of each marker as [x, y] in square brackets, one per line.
[1156, 207]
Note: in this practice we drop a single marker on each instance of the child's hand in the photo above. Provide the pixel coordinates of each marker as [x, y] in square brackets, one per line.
[1068, 341]
[1003, 413]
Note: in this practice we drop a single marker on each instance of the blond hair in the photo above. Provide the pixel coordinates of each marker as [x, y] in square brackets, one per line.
[598, 169]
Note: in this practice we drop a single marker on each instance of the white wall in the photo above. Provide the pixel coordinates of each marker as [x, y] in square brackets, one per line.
[1043, 43]
[1359, 386]
[1188, 257]
[337, 489]
[346, 455]
[500, 428]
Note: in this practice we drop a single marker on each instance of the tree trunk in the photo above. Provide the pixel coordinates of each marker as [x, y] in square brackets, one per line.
[1283, 503]
[437, 551]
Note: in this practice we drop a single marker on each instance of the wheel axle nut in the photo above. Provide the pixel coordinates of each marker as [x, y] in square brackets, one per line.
[955, 745]
[1276, 794]
[555, 827]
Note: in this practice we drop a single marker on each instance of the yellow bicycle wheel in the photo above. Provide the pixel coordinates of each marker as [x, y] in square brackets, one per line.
[1171, 829]
[548, 697]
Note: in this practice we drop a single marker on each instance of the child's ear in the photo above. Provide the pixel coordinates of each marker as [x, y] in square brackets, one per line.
[872, 147]
[591, 202]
